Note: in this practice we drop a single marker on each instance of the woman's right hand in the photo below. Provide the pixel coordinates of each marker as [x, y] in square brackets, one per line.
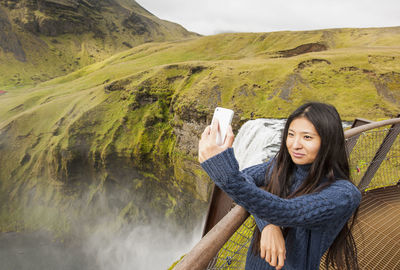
[272, 246]
[207, 144]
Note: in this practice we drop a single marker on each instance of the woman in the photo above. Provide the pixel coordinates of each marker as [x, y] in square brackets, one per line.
[307, 199]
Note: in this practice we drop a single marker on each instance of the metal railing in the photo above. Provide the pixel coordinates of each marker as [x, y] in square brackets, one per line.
[369, 166]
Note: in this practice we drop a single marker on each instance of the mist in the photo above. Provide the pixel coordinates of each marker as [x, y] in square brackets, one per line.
[155, 246]
[142, 247]
[96, 232]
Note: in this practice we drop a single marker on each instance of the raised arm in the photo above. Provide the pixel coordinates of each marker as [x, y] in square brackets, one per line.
[338, 201]
[256, 174]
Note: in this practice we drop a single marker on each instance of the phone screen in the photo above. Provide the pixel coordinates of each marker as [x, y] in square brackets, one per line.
[224, 117]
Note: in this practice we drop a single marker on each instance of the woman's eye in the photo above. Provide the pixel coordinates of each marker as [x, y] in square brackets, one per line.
[290, 134]
[307, 137]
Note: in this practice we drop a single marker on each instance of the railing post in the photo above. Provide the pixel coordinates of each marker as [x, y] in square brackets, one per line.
[351, 142]
[379, 156]
[220, 205]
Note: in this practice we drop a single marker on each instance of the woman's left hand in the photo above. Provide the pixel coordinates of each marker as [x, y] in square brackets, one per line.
[208, 146]
[272, 246]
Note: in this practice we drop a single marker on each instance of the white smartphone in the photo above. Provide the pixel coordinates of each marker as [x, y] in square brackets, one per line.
[224, 117]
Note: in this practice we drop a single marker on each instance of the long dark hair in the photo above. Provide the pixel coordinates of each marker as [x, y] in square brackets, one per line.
[330, 164]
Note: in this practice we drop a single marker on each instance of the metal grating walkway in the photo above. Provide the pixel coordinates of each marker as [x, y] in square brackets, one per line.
[377, 231]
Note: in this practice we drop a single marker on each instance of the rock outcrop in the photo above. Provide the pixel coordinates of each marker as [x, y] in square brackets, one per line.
[9, 41]
[57, 17]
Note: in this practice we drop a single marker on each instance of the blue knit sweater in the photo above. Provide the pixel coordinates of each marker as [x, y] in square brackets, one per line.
[314, 219]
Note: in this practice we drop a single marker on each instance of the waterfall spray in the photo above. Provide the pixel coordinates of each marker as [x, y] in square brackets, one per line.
[258, 140]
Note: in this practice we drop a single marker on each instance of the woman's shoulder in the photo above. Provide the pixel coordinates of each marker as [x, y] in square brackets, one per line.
[345, 187]
[346, 184]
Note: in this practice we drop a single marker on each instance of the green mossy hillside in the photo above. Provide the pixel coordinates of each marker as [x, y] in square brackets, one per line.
[127, 128]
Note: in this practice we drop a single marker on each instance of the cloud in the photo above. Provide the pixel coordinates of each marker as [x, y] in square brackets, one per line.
[210, 17]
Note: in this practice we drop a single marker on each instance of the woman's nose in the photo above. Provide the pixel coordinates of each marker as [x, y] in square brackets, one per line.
[297, 143]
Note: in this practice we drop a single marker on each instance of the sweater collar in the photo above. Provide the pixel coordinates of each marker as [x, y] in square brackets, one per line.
[302, 170]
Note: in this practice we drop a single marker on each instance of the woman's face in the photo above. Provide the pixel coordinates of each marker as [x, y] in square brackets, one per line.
[303, 141]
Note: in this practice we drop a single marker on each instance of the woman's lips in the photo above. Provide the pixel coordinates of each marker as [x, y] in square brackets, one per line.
[298, 155]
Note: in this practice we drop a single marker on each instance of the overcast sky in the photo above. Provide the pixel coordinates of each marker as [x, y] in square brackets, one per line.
[208, 17]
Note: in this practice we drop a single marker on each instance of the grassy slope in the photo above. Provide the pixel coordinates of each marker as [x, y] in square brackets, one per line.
[159, 88]
[250, 55]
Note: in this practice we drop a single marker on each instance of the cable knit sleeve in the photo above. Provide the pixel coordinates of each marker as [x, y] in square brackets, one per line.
[256, 174]
[261, 223]
[336, 202]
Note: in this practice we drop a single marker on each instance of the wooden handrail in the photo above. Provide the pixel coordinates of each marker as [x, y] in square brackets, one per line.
[357, 130]
[201, 254]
